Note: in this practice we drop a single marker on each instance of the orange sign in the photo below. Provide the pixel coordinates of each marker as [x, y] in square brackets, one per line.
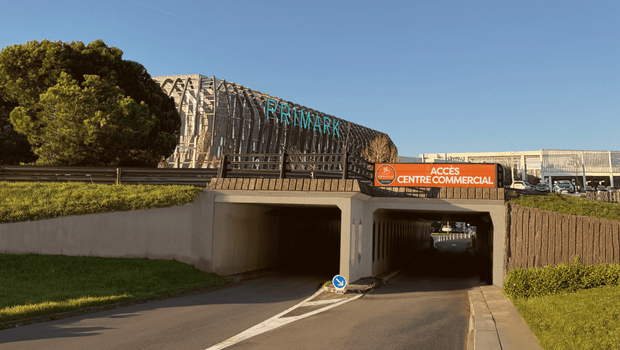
[435, 175]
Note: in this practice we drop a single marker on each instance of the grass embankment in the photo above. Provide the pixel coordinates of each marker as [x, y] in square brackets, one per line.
[23, 201]
[564, 204]
[586, 319]
[37, 285]
[569, 306]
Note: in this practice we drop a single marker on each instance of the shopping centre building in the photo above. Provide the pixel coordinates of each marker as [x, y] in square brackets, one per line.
[220, 117]
[592, 167]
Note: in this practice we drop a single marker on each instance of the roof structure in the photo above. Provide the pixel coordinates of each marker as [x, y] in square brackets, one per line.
[220, 117]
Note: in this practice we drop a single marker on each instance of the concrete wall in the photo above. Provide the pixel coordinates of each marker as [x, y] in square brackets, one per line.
[231, 231]
[166, 233]
[245, 238]
[394, 240]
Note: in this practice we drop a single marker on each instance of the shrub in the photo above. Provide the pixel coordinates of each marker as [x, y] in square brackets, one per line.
[571, 205]
[563, 278]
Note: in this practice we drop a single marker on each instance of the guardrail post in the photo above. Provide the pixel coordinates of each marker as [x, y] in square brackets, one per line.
[283, 165]
[221, 172]
[345, 165]
[118, 176]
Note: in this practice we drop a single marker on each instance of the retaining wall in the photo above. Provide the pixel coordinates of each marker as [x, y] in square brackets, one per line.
[537, 238]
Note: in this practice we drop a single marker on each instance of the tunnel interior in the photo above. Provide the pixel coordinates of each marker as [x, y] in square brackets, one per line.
[458, 257]
[309, 239]
[289, 238]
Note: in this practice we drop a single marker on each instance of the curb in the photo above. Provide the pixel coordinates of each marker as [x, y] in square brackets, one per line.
[484, 330]
[496, 322]
[365, 284]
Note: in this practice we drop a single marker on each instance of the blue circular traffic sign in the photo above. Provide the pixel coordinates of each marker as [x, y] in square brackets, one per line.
[339, 282]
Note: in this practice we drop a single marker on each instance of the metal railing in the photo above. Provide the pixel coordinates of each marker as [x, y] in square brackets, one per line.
[296, 166]
[310, 166]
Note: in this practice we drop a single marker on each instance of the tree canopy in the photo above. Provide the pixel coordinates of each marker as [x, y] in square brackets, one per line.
[83, 105]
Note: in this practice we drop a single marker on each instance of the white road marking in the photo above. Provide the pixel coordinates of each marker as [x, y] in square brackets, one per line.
[321, 302]
[276, 321]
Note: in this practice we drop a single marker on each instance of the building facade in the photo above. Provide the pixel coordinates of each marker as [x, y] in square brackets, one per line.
[220, 117]
[546, 165]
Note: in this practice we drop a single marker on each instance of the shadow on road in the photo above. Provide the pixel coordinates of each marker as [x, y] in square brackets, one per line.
[448, 266]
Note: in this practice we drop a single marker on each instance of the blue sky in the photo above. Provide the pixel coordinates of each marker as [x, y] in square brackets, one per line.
[437, 76]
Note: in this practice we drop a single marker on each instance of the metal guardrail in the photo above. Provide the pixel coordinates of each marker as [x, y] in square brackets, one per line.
[441, 238]
[310, 166]
[196, 177]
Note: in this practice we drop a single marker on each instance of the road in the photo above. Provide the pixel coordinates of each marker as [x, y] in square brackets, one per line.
[193, 322]
[424, 307]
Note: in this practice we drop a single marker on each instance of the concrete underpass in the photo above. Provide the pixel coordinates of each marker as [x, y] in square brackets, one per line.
[296, 238]
[347, 233]
[410, 246]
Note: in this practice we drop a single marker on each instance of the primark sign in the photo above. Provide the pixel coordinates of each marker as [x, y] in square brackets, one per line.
[304, 120]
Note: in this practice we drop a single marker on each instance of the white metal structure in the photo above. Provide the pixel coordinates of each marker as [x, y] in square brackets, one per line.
[544, 164]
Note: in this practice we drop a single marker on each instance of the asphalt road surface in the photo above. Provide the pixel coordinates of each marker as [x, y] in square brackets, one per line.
[193, 322]
[424, 307]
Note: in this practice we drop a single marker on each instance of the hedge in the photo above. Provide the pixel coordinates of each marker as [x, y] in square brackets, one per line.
[563, 278]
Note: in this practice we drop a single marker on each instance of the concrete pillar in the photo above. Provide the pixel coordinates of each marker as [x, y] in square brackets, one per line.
[523, 168]
[611, 170]
[550, 183]
[355, 241]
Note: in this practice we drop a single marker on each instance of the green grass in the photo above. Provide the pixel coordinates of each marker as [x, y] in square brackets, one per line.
[586, 319]
[24, 201]
[35, 285]
[564, 204]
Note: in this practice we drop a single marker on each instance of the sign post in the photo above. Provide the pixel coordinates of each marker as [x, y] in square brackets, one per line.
[339, 283]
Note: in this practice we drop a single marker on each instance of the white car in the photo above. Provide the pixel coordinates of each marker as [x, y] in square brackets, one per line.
[521, 185]
[563, 186]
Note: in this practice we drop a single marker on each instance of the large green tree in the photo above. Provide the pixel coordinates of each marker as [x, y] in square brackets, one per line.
[85, 105]
[14, 147]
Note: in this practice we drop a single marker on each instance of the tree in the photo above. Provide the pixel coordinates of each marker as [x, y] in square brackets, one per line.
[380, 150]
[14, 147]
[84, 105]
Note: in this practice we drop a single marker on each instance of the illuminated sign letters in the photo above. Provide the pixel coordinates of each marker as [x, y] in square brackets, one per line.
[324, 125]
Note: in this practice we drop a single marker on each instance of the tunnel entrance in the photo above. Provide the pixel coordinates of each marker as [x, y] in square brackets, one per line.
[448, 254]
[309, 239]
[288, 238]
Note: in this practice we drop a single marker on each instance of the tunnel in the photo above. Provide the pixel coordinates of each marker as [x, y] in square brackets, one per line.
[290, 238]
[402, 240]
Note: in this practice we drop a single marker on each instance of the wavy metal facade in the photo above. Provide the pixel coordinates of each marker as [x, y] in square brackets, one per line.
[220, 117]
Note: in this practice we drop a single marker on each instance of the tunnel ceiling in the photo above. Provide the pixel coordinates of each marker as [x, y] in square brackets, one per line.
[459, 216]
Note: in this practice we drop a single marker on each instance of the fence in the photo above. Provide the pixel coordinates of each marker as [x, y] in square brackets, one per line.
[613, 197]
[441, 238]
[310, 166]
[537, 238]
[313, 166]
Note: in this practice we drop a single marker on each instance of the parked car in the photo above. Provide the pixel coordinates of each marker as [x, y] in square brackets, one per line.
[521, 185]
[589, 188]
[601, 188]
[563, 186]
[542, 187]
